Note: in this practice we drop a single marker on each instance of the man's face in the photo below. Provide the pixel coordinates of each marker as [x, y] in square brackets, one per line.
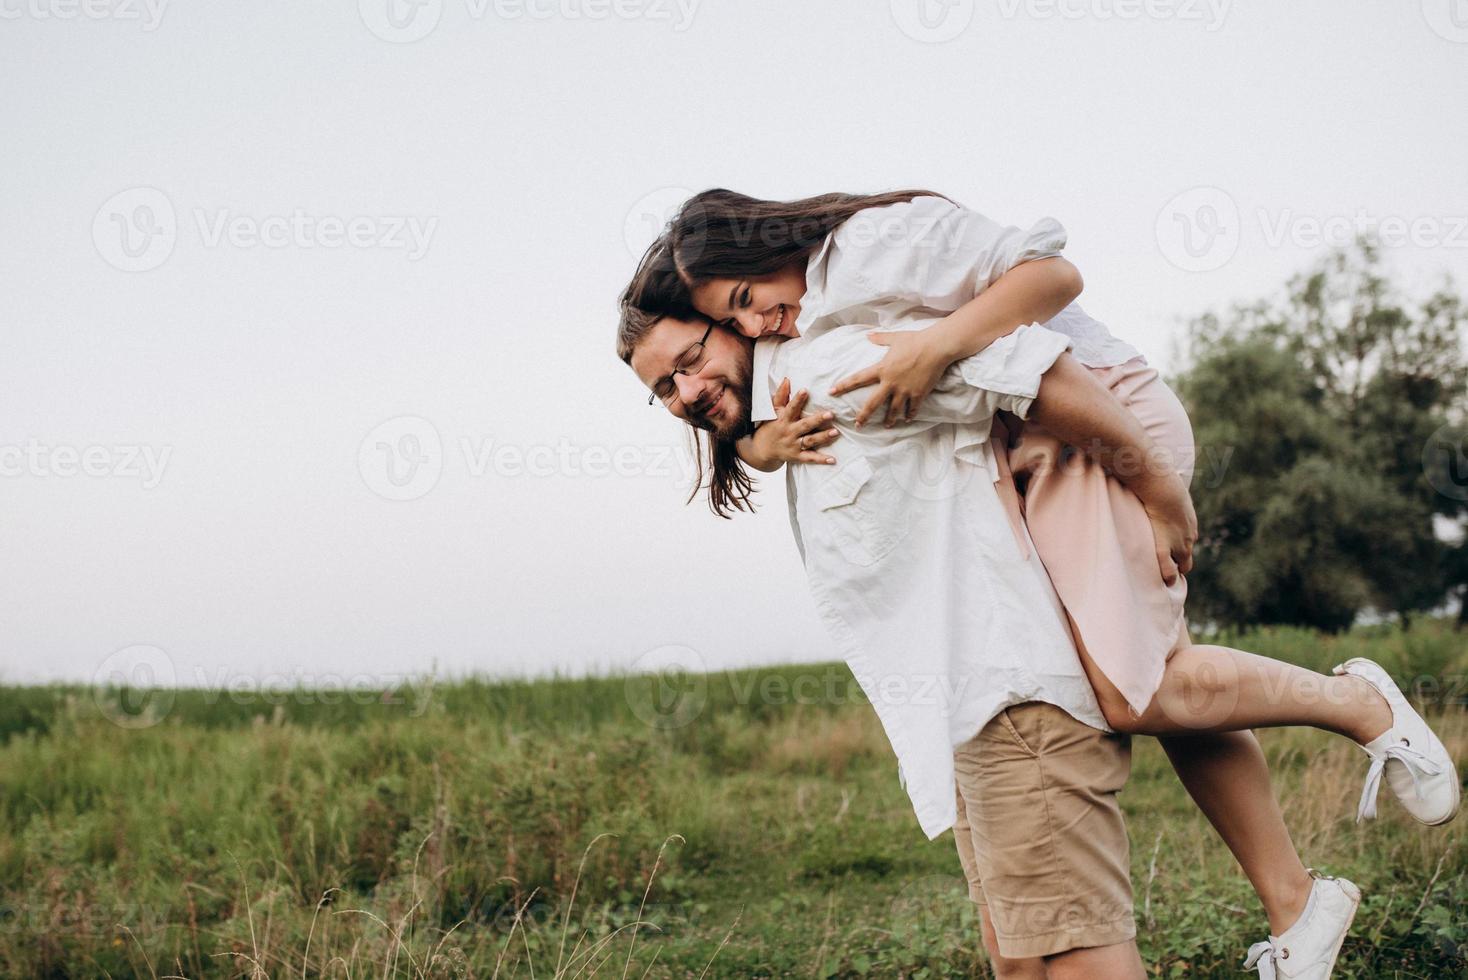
[713, 393]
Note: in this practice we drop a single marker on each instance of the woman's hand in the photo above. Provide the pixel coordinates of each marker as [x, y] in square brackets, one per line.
[1174, 526]
[903, 378]
[788, 438]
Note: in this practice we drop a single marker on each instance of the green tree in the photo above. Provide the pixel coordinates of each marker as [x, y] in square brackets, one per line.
[1337, 412]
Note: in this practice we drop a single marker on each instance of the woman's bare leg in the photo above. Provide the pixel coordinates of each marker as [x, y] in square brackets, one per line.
[1228, 778]
[1209, 689]
[1225, 771]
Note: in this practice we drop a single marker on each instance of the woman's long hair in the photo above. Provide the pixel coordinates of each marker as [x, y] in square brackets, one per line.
[724, 234]
[656, 292]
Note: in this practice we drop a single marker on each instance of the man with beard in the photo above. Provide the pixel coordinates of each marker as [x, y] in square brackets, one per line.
[924, 576]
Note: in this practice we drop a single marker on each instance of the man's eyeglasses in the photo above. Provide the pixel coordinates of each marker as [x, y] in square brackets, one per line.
[689, 362]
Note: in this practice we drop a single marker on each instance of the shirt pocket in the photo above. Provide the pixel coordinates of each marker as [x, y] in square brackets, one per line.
[860, 513]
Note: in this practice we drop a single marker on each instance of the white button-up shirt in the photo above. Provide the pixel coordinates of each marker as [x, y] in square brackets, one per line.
[933, 596]
[928, 257]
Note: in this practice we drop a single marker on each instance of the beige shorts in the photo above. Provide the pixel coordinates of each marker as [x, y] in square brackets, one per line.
[1040, 834]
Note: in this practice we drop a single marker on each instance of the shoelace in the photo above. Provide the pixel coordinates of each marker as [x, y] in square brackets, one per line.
[1262, 956]
[1418, 766]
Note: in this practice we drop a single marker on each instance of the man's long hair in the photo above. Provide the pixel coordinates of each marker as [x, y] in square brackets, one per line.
[655, 292]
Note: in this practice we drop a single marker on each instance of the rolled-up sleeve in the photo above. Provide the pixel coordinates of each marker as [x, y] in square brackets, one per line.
[1012, 366]
[932, 253]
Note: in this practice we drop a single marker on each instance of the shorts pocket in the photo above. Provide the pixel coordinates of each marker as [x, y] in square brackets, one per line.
[1008, 720]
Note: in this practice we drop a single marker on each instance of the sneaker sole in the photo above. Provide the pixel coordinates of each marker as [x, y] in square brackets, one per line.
[1336, 952]
[1456, 784]
[1457, 805]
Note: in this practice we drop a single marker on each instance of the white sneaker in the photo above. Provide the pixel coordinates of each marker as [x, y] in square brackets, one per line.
[1416, 763]
[1308, 949]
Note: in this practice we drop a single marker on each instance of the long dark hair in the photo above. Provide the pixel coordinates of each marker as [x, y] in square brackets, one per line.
[655, 292]
[724, 234]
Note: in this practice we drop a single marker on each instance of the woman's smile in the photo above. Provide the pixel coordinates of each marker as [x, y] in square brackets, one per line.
[779, 321]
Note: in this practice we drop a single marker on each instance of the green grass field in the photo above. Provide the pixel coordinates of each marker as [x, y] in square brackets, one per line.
[444, 831]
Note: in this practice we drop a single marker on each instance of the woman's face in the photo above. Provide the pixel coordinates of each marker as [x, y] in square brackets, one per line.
[757, 307]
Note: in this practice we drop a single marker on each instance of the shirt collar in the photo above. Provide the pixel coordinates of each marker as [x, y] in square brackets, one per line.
[812, 304]
[761, 407]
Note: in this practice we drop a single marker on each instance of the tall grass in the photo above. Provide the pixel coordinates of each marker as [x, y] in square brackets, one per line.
[742, 824]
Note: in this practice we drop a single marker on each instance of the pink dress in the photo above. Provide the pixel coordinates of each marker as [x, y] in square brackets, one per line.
[1095, 540]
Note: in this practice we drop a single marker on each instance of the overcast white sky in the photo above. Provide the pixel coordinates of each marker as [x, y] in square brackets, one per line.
[254, 254]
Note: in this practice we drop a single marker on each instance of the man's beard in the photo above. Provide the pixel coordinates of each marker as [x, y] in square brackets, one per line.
[738, 426]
